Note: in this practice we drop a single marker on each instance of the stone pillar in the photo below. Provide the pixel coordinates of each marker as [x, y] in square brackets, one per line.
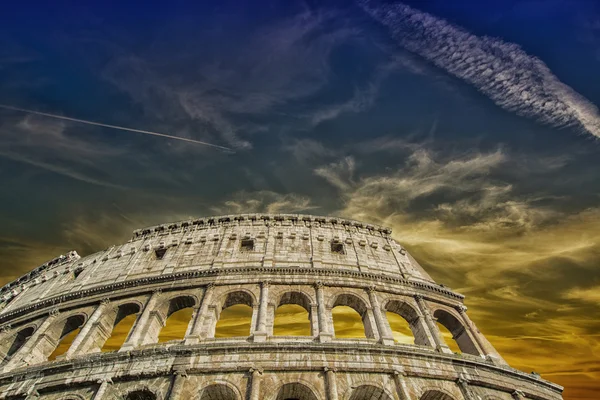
[488, 350]
[325, 334]
[30, 352]
[518, 395]
[260, 335]
[385, 336]
[199, 329]
[255, 378]
[332, 393]
[401, 385]
[104, 383]
[440, 345]
[179, 378]
[463, 385]
[139, 330]
[88, 332]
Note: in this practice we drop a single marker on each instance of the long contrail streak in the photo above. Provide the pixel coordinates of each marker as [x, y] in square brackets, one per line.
[122, 128]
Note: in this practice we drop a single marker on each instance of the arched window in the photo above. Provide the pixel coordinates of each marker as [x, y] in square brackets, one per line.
[122, 320]
[234, 318]
[350, 318]
[405, 323]
[218, 391]
[14, 343]
[61, 335]
[177, 318]
[143, 394]
[458, 332]
[295, 391]
[435, 395]
[369, 392]
[292, 316]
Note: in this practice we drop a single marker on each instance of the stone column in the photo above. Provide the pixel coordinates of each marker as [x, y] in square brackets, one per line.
[198, 330]
[440, 345]
[463, 385]
[385, 336]
[104, 383]
[518, 395]
[488, 350]
[325, 334]
[260, 335]
[179, 378]
[88, 332]
[401, 385]
[30, 352]
[139, 329]
[332, 393]
[255, 378]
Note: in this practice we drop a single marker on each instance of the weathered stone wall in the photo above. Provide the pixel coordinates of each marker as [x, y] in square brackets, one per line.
[263, 262]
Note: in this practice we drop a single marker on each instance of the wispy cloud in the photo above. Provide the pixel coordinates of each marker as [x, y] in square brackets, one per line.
[264, 201]
[513, 79]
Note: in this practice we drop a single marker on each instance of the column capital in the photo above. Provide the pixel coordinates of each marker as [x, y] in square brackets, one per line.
[265, 284]
[330, 369]
[54, 312]
[210, 285]
[104, 380]
[180, 372]
[462, 381]
[418, 297]
[399, 371]
[6, 328]
[256, 370]
[461, 308]
[105, 301]
[157, 292]
[372, 289]
[518, 394]
[318, 285]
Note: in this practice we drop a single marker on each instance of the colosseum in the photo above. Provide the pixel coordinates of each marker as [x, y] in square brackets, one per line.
[261, 261]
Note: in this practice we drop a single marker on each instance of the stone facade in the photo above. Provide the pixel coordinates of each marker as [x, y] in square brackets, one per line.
[263, 261]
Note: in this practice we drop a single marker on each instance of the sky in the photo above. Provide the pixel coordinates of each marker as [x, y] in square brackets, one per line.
[470, 128]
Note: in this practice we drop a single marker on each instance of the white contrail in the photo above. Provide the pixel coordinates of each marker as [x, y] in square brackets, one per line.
[513, 79]
[122, 128]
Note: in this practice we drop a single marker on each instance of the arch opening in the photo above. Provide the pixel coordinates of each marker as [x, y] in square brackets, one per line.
[177, 319]
[63, 335]
[295, 391]
[458, 333]
[405, 323]
[234, 318]
[218, 391]
[350, 318]
[369, 392]
[435, 395]
[292, 316]
[15, 342]
[123, 320]
[143, 394]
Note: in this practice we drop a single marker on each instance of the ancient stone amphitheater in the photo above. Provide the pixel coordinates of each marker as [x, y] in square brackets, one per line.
[263, 261]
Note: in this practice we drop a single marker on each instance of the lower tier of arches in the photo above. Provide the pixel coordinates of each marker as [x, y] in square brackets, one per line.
[258, 371]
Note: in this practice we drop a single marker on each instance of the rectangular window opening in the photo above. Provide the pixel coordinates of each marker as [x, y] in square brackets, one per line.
[160, 253]
[337, 248]
[247, 245]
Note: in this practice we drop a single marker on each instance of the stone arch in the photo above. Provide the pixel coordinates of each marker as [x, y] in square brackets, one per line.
[219, 391]
[412, 316]
[140, 394]
[57, 332]
[460, 334]
[231, 298]
[298, 298]
[369, 392]
[295, 391]
[435, 394]
[111, 320]
[159, 316]
[360, 306]
[12, 344]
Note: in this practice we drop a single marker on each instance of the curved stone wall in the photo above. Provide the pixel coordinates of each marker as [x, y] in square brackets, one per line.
[262, 261]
